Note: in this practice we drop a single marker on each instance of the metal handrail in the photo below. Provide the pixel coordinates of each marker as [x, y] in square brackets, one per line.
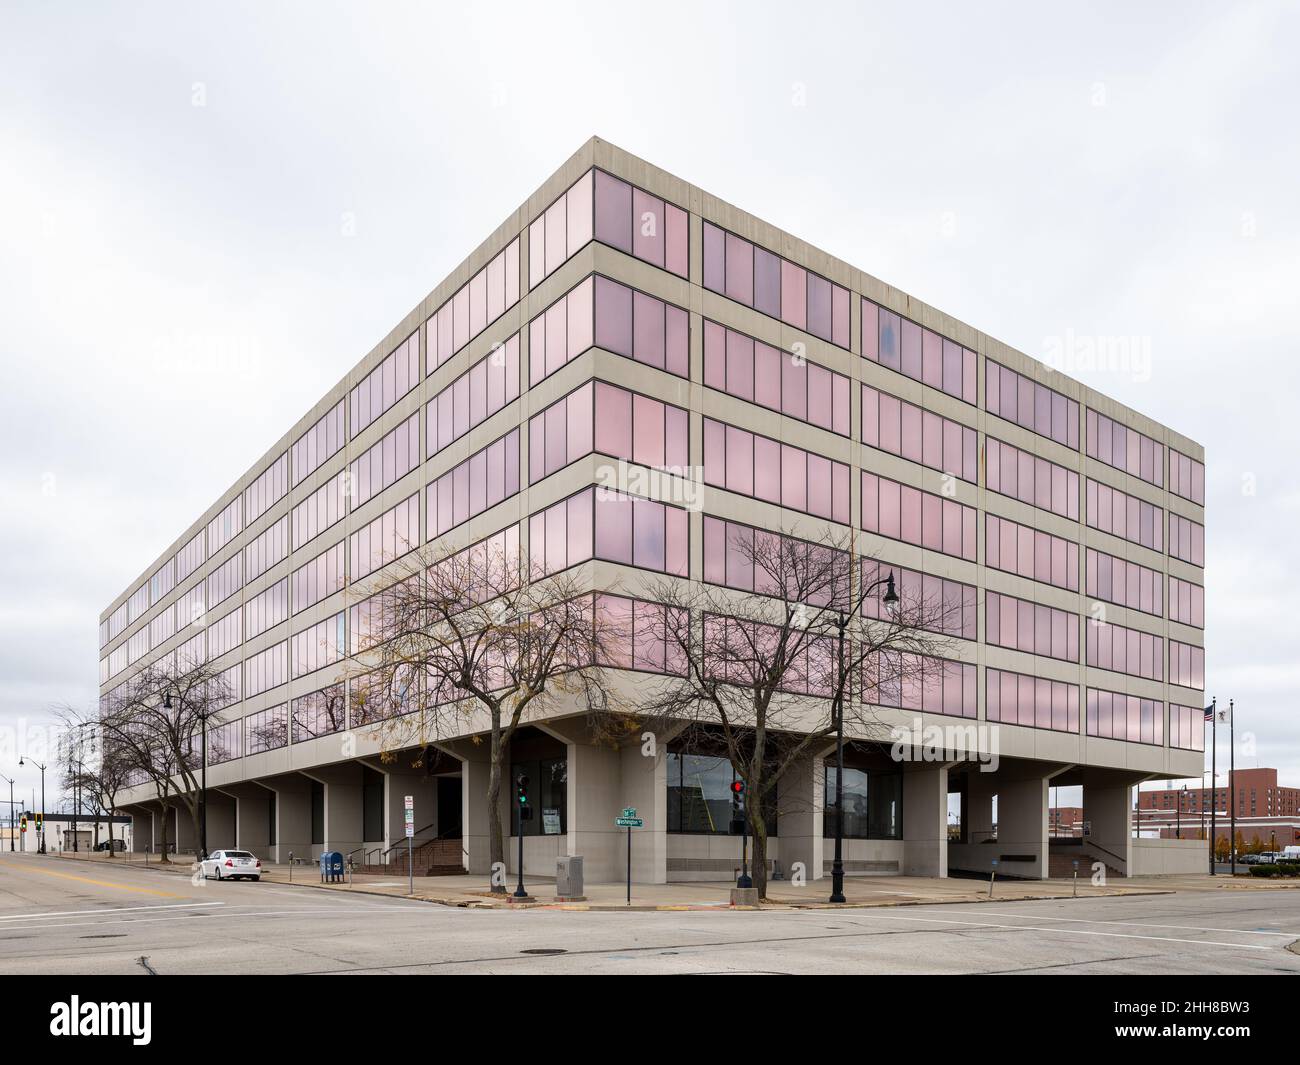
[1108, 853]
[402, 841]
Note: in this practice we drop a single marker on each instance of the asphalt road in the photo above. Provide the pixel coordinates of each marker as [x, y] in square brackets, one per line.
[65, 917]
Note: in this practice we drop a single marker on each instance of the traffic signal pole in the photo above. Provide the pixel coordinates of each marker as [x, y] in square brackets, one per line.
[521, 803]
[738, 791]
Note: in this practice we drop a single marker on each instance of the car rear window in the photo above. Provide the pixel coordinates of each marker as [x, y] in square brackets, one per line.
[237, 854]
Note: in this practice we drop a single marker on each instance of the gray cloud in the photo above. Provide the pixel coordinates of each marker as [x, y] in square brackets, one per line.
[178, 282]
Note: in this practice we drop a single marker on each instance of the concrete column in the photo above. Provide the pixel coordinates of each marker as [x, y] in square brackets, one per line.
[182, 831]
[222, 821]
[1108, 809]
[252, 818]
[595, 798]
[925, 819]
[977, 812]
[141, 827]
[801, 817]
[292, 817]
[604, 780]
[343, 812]
[644, 779]
[423, 789]
[156, 813]
[1022, 821]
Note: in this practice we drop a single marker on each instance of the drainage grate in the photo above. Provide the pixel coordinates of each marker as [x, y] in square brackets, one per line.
[545, 950]
[109, 935]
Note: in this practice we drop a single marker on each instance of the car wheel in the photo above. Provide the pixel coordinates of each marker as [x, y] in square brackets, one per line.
[218, 872]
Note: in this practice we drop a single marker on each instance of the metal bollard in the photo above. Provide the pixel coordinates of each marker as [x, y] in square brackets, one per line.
[291, 867]
[351, 867]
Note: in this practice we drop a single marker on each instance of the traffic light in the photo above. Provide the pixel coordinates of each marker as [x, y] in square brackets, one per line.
[521, 793]
[23, 823]
[39, 821]
[737, 827]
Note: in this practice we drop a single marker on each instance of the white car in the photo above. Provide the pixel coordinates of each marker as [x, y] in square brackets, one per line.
[232, 865]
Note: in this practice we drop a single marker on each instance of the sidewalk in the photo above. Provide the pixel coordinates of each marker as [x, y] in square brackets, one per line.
[470, 891]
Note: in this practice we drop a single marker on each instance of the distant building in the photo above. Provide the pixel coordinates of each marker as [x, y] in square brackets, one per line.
[59, 835]
[1065, 821]
[1258, 795]
[1266, 811]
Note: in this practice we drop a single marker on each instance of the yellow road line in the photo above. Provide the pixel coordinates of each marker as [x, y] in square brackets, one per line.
[98, 883]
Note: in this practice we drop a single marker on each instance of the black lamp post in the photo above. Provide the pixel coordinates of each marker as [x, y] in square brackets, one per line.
[841, 623]
[38, 765]
[203, 778]
[11, 811]
[740, 805]
[74, 759]
[521, 796]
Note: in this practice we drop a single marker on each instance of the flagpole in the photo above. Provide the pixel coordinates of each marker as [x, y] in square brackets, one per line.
[1232, 781]
[1214, 777]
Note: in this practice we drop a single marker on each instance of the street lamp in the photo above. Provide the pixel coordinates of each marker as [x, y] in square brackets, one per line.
[42, 769]
[841, 623]
[74, 760]
[11, 811]
[525, 813]
[203, 778]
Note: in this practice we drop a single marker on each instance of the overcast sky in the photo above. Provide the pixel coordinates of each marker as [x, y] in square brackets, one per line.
[211, 214]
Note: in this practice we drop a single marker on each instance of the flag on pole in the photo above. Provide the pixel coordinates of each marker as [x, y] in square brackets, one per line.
[1209, 712]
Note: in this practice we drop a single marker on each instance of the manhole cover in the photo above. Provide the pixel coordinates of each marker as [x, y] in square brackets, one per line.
[545, 950]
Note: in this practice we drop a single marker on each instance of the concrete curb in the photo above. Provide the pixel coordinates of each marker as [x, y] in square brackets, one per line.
[487, 902]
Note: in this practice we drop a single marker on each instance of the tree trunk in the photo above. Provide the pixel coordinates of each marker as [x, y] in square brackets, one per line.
[758, 872]
[110, 836]
[164, 831]
[496, 841]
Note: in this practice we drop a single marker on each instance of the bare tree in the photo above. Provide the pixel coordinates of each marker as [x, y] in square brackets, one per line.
[475, 640]
[153, 724]
[98, 769]
[762, 673]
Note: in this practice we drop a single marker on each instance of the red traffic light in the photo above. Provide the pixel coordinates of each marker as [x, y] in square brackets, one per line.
[738, 787]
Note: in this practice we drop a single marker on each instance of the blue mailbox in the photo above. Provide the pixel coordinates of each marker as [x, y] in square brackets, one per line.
[331, 866]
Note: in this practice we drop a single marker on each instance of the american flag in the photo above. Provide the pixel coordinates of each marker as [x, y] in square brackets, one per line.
[1209, 712]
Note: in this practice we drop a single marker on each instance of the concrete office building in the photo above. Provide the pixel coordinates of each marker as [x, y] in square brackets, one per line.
[621, 313]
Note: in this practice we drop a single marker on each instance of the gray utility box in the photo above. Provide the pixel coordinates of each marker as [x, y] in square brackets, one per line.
[568, 876]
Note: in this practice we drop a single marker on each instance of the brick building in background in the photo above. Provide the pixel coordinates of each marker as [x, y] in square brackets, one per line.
[1266, 811]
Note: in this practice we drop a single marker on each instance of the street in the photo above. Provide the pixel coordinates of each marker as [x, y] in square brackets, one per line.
[63, 917]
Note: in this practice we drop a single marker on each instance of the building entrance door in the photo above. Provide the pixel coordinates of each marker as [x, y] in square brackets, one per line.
[449, 808]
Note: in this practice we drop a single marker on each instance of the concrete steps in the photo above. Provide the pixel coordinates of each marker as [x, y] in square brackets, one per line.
[1060, 864]
[435, 857]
